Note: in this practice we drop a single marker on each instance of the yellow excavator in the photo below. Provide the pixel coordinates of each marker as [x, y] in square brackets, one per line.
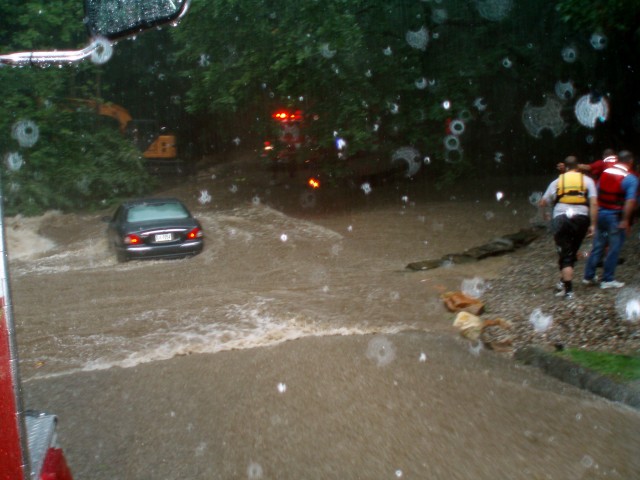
[159, 150]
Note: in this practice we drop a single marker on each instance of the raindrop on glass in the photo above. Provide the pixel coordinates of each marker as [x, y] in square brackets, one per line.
[381, 350]
[26, 132]
[204, 197]
[14, 161]
[598, 41]
[539, 321]
[569, 54]
[102, 52]
[254, 471]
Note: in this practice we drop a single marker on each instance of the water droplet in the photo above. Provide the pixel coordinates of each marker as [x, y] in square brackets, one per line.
[381, 350]
[540, 321]
[204, 197]
[254, 471]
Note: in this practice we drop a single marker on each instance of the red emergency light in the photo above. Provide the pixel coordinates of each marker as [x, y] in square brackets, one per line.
[285, 116]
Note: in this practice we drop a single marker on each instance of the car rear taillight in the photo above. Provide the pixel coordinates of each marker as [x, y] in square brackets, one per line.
[132, 239]
[195, 233]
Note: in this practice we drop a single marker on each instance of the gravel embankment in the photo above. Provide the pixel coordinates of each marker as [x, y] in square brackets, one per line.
[606, 320]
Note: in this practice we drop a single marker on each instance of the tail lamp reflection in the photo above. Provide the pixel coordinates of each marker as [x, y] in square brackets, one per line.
[132, 239]
[195, 233]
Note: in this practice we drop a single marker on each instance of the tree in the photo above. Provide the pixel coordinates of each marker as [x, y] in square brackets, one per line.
[54, 157]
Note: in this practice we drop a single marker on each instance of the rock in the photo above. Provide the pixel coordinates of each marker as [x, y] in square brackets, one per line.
[497, 246]
[525, 236]
[496, 334]
[491, 249]
[458, 301]
[425, 265]
[469, 325]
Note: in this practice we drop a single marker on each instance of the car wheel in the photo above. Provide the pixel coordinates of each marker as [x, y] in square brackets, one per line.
[121, 257]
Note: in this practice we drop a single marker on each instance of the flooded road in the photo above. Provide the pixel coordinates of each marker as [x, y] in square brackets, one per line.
[180, 369]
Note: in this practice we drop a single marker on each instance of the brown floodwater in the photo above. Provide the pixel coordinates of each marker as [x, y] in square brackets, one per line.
[297, 345]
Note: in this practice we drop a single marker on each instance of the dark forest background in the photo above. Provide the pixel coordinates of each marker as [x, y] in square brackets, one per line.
[481, 87]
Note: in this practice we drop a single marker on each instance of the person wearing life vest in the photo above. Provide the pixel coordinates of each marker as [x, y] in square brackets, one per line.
[595, 169]
[617, 191]
[574, 198]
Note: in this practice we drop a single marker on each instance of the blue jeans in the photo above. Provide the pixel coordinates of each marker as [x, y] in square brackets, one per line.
[607, 234]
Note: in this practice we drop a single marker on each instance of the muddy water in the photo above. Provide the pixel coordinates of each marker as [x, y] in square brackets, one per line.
[375, 386]
[272, 270]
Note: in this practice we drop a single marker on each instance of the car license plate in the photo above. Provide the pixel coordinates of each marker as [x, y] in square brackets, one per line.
[163, 237]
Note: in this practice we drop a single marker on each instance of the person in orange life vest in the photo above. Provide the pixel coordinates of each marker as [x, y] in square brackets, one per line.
[617, 191]
[574, 198]
[595, 168]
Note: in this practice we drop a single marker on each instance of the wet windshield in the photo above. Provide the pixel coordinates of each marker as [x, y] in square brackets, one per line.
[150, 212]
[360, 173]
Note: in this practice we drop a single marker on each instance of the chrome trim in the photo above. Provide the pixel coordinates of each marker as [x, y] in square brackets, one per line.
[50, 58]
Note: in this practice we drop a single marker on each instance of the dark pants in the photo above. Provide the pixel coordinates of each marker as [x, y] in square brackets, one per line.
[568, 233]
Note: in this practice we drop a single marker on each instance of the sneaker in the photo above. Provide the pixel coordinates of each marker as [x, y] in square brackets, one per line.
[590, 282]
[560, 293]
[559, 287]
[570, 296]
[612, 284]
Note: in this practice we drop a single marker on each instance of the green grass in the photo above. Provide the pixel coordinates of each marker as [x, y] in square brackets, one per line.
[621, 367]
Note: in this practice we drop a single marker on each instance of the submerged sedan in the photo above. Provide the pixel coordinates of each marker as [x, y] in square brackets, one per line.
[154, 228]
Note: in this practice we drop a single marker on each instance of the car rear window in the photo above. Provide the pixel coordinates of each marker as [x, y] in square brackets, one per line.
[156, 211]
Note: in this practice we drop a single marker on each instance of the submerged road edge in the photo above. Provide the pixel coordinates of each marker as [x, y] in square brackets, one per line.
[580, 376]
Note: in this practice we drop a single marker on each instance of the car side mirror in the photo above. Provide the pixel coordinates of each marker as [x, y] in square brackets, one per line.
[113, 19]
[107, 21]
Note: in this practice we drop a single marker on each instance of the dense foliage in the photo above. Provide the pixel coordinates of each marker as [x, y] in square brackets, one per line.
[383, 76]
[53, 156]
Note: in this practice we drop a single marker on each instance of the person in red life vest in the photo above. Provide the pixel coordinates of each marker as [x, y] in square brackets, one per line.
[617, 191]
[574, 198]
[596, 168]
